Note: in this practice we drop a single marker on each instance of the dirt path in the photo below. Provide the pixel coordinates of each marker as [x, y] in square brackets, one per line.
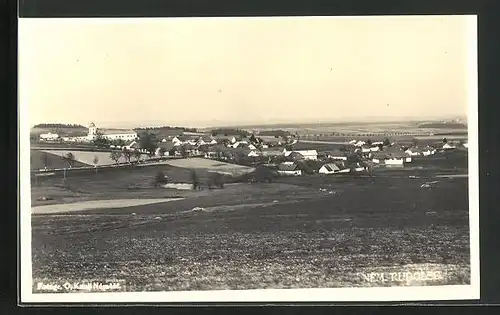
[96, 204]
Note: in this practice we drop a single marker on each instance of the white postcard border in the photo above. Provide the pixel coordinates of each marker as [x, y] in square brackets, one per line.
[378, 294]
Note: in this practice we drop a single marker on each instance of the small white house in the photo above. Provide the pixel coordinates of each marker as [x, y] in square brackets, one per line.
[360, 143]
[394, 161]
[413, 151]
[352, 142]
[466, 145]
[374, 149]
[289, 169]
[448, 146]
[331, 168]
[252, 147]
[49, 136]
[307, 154]
[428, 151]
[334, 155]
[253, 153]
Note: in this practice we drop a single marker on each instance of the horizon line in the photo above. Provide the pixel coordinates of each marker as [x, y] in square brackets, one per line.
[197, 125]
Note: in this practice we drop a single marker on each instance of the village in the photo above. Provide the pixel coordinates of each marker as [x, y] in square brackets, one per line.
[278, 150]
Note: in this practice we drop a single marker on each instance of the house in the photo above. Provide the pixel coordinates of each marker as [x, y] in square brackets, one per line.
[205, 140]
[252, 147]
[329, 168]
[414, 151]
[448, 146]
[216, 151]
[165, 147]
[394, 160]
[353, 142]
[253, 153]
[49, 136]
[396, 156]
[378, 157]
[390, 157]
[191, 149]
[359, 143]
[289, 169]
[131, 145]
[466, 145]
[307, 154]
[374, 148]
[336, 155]
[271, 151]
[240, 144]
[428, 151]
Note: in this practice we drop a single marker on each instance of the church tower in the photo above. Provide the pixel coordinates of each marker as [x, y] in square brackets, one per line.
[92, 130]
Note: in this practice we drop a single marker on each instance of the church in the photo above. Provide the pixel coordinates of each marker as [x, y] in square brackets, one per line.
[109, 134]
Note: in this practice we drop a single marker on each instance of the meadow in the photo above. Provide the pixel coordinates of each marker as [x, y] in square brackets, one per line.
[310, 231]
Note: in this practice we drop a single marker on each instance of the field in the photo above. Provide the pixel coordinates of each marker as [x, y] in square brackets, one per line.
[38, 160]
[318, 231]
[87, 157]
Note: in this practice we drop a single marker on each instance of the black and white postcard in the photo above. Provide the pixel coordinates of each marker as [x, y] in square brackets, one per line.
[249, 159]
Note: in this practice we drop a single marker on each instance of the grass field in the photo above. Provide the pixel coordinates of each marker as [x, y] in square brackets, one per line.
[320, 231]
[39, 158]
[87, 157]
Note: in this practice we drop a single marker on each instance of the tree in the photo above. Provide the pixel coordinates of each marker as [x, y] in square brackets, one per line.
[161, 152]
[160, 179]
[262, 174]
[172, 152]
[414, 141]
[148, 142]
[45, 159]
[183, 151]
[127, 154]
[137, 155]
[70, 159]
[253, 139]
[216, 179]
[195, 180]
[115, 156]
[387, 142]
[445, 140]
[95, 161]
[100, 141]
[369, 142]
[151, 154]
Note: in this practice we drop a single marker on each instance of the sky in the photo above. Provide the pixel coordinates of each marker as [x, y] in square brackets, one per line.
[229, 71]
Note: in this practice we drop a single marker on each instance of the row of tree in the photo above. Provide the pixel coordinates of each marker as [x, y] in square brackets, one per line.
[229, 131]
[185, 129]
[56, 125]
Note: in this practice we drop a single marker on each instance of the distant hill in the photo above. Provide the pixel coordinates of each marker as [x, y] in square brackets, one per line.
[229, 132]
[447, 125]
[274, 133]
[55, 126]
[166, 128]
[61, 131]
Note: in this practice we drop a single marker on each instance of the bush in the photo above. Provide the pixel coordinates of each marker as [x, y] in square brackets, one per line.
[262, 175]
[217, 180]
[195, 180]
[160, 179]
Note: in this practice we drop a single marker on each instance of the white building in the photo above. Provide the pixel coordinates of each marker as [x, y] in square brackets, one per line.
[49, 136]
[108, 134]
[289, 169]
[307, 154]
[329, 168]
